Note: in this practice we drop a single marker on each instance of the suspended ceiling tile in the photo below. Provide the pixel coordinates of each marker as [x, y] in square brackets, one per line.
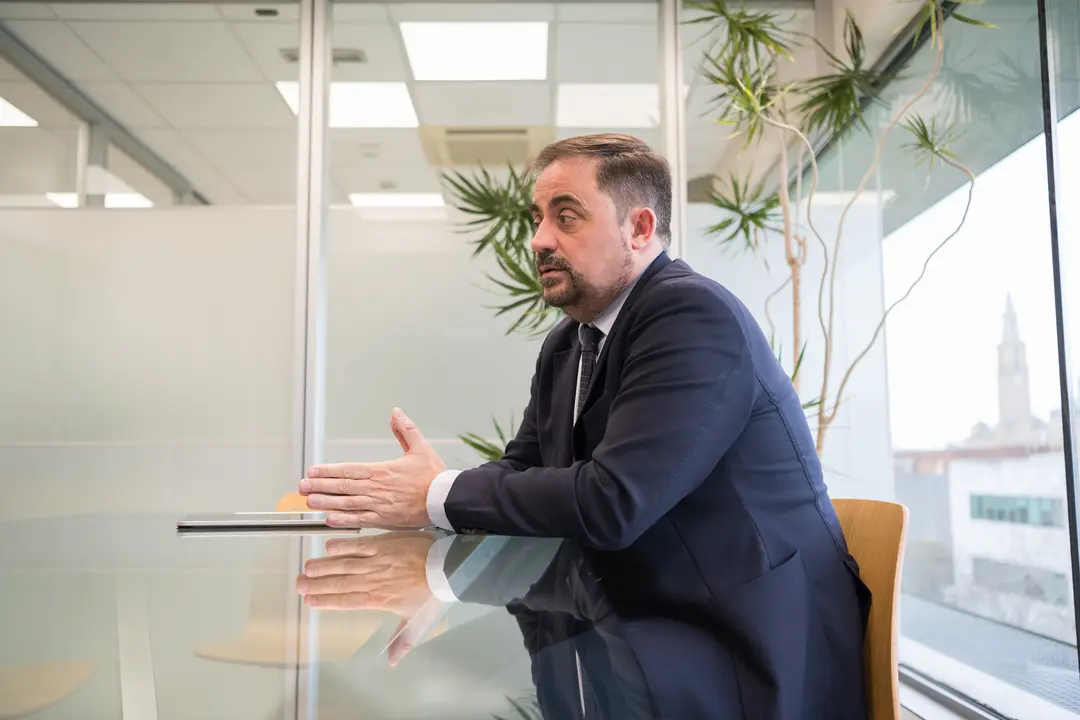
[26, 11]
[472, 12]
[231, 105]
[413, 179]
[124, 104]
[642, 12]
[345, 12]
[607, 52]
[374, 149]
[287, 12]
[199, 171]
[156, 11]
[382, 47]
[483, 104]
[63, 49]
[8, 72]
[170, 52]
[264, 42]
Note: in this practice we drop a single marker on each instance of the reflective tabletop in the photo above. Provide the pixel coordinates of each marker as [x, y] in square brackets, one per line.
[121, 616]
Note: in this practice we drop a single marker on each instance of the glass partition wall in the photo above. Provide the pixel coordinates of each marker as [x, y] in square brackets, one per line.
[217, 268]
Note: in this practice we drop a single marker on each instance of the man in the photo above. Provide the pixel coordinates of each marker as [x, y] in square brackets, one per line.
[663, 435]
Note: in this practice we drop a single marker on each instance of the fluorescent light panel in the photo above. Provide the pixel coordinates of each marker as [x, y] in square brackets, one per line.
[11, 116]
[361, 104]
[476, 51]
[603, 105]
[112, 200]
[396, 200]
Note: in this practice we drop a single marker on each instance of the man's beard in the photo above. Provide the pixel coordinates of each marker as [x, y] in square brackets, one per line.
[577, 291]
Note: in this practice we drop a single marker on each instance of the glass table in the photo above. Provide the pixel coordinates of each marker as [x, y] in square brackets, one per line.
[122, 616]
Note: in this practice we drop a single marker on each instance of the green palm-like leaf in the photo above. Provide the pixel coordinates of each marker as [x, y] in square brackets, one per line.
[832, 100]
[745, 29]
[500, 209]
[930, 142]
[488, 450]
[751, 214]
[747, 92]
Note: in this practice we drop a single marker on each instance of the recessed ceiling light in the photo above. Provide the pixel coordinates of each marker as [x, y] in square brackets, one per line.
[361, 104]
[11, 116]
[396, 200]
[476, 50]
[112, 200]
[608, 105]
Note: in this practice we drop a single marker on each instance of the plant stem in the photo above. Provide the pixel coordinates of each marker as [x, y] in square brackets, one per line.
[823, 419]
[826, 420]
[792, 259]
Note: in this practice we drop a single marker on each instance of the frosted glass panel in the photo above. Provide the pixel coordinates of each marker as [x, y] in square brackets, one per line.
[409, 325]
[147, 360]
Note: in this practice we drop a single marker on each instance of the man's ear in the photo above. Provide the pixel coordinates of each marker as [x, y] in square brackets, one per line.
[642, 227]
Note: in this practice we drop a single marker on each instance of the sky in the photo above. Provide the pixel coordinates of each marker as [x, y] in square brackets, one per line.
[942, 342]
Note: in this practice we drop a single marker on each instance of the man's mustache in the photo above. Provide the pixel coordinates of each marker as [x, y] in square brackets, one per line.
[548, 258]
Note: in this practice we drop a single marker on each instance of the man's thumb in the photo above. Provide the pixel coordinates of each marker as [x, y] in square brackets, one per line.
[408, 435]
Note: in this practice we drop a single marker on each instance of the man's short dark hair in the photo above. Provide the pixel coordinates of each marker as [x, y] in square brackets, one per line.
[627, 169]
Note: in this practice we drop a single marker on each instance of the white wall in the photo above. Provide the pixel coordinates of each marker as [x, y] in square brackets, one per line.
[858, 456]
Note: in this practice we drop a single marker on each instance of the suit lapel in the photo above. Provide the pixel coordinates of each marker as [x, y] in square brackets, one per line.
[661, 261]
[565, 365]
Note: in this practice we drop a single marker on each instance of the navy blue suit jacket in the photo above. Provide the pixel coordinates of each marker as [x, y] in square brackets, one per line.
[691, 476]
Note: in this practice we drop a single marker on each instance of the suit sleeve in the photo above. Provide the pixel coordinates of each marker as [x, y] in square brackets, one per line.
[686, 393]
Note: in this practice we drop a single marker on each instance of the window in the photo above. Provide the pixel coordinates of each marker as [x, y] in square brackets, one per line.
[1049, 512]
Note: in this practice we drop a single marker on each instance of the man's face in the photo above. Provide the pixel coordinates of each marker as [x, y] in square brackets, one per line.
[583, 251]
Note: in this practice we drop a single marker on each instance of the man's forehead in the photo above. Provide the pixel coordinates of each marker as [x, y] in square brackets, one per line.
[570, 176]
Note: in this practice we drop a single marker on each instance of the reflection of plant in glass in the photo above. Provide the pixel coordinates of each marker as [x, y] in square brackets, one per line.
[744, 72]
[526, 709]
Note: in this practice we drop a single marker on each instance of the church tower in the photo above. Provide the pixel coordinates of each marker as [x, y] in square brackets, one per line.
[1014, 396]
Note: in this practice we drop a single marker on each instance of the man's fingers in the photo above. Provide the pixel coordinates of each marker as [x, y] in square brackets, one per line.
[354, 471]
[353, 520]
[401, 644]
[334, 486]
[351, 503]
[409, 436]
[360, 547]
[344, 565]
[332, 584]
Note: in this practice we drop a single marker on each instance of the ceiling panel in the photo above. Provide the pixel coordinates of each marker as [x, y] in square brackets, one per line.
[264, 43]
[480, 104]
[34, 101]
[260, 163]
[360, 12]
[157, 11]
[170, 52]
[25, 11]
[203, 175]
[63, 49]
[420, 179]
[607, 52]
[124, 104]
[642, 12]
[230, 105]
[386, 59]
[287, 12]
[367, 147]
[475, 12]
[7, 72]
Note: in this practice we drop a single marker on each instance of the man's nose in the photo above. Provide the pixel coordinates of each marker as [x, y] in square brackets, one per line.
[542, 239]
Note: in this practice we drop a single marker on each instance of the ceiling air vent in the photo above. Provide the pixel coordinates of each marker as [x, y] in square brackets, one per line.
[340, 56]
[491, 147]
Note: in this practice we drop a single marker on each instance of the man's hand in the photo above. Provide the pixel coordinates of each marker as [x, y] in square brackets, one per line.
[384, 572]
[382, 494]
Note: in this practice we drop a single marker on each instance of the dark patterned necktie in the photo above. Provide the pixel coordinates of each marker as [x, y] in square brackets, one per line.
[590, 342]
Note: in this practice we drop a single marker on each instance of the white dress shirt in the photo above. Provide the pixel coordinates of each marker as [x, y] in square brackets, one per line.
[440, 486]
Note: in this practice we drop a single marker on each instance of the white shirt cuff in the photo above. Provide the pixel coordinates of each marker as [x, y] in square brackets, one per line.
[437, 581]
[436, 498]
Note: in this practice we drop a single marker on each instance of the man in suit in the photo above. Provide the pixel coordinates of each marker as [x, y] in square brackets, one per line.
[663, 435]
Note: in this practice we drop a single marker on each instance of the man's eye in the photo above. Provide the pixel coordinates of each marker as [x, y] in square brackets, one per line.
[565, 218]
